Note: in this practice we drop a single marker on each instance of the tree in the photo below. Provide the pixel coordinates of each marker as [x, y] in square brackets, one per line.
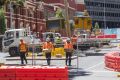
[96, 25]
[2, 21]
[96, 28]
[59, 13]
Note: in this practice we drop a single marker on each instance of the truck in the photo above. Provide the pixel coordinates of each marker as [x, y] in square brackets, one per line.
[84, 40]
[11, 40]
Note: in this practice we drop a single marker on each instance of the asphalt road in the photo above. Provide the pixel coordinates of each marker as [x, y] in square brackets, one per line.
[91, 67]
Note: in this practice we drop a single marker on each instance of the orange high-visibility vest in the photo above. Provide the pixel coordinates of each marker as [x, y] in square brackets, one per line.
[68, 45]
[22, 47]
[47, 45]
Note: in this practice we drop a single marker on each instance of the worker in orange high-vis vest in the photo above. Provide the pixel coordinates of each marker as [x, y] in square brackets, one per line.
[68, 47]
[47, 48]
[23, 51]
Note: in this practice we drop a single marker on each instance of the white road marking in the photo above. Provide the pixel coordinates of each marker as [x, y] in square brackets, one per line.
[95, 65]
[95, 71]
[103, 71]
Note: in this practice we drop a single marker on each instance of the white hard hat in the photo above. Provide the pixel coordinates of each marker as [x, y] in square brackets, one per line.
[68, 39]
[47, 39]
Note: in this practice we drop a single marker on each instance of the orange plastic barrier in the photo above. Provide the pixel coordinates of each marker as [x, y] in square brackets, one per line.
[112, 61]
[33, 73]
[7, 73]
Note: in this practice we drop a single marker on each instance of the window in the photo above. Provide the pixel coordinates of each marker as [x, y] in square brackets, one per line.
[25, 33]
[112, 5]
[108, 14]
[102, 4]
[116, 6]
[9, 35]
[119, 14]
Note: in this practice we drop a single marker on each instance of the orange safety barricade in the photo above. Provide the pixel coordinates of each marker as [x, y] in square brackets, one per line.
[112, 61]
[34, 73]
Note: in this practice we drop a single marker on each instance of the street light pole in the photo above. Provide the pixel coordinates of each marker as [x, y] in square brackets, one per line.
[67, 19]
[104, 16]
[11, 13]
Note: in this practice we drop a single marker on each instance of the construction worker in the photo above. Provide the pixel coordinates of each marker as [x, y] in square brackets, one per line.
[58, 40]
[68, 47]
[23, 51]
[47, 48]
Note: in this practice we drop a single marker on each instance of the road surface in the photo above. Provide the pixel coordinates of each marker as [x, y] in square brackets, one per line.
[91, 67]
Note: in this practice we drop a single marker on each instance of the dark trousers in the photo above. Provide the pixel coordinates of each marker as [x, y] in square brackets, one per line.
[23, 57]
[68, 58]
[48, 57]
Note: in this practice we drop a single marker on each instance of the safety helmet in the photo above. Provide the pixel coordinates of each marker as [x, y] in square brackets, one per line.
[68, 39]
[47, 39]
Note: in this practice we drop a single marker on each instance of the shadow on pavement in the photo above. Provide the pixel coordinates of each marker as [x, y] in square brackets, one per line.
[74, 72]
[95, 54]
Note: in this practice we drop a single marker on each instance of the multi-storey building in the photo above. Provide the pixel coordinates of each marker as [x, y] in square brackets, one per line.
[29, 15]
[105, 12]
[33, 14]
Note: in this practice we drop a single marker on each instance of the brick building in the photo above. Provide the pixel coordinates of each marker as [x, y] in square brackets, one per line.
[30, 15]
[80, 7]
[33, 14]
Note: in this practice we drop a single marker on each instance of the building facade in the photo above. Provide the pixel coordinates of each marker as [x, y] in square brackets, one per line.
[61, 4]
[105, 12]
[29, 15]
[34, 14]
[80, 5]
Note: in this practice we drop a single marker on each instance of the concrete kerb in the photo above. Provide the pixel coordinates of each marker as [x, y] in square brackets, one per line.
[40, 58]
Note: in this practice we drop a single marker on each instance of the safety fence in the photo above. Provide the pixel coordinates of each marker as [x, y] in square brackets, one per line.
[33, 73]
[110, 36]
[112, 61]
